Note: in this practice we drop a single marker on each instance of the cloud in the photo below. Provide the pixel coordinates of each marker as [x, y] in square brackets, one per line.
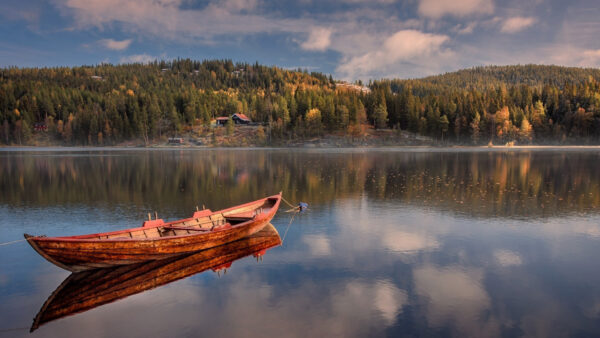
[576, 43]
[456, 297]
[240, 5]
[517, 24]
[168, 18]
[507, 258]
[318, 245]
[406, 242]
[368, 1]
[319, 39]
[389, 300]
[465, 29]
[568, 55]
[404, 45]
[357, 32]
[436, 9]
[29, 12]
[590, 58]
[382, 297]
[115, 44]
[137, 58]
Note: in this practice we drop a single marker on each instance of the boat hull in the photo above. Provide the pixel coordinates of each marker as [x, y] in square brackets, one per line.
[86, 290]
[79, 254]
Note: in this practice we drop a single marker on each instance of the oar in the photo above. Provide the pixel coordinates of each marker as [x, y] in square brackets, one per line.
[185, 228]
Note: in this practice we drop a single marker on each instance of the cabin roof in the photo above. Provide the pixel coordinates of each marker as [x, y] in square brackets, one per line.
[242, 116]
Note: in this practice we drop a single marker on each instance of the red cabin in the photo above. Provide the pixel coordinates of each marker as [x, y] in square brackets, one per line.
[40, 126]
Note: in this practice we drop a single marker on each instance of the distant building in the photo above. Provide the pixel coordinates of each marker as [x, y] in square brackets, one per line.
[221, 121]
[176, 140]
[40, 126]
[239, 118]
[96, 77]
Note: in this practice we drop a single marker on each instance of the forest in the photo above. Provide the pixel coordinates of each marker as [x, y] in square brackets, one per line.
[109, 104]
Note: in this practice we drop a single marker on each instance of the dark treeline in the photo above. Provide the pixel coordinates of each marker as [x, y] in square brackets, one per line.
[108, 104]
[501, 104]
[531, 75]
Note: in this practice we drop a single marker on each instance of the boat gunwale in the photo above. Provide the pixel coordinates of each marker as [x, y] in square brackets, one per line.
[85, 239]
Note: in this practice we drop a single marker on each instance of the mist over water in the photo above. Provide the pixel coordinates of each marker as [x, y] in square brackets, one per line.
[419, 243]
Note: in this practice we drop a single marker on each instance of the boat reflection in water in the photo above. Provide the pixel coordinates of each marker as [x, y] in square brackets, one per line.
[82, 291]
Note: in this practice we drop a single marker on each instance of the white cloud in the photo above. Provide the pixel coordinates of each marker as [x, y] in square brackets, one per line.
[115, 44]
[319, 39]
[383, 297]
[371, 40]
[368, 1]
[166, 18]
[507, 258]
[436, 9]
[517, 24]
[406, 242]
[356, 33]
[318, 244]
[137, 58]
[389, 300]
[576, 43]
[568, 55]
[456, 297]
[240, 5]
[590, 58]
[404, 45]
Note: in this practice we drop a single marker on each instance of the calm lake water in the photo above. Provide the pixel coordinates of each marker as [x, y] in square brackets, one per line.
[396, 243]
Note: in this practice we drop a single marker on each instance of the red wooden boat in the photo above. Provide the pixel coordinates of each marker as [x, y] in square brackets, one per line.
[85, 290]
[157, 239]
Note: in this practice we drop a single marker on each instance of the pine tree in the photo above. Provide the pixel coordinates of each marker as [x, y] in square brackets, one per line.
[380, 116]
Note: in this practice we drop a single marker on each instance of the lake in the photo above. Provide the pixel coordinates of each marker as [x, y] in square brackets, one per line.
[396, 242]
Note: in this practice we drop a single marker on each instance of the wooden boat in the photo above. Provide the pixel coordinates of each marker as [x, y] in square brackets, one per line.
[157, 239]
[83, 291]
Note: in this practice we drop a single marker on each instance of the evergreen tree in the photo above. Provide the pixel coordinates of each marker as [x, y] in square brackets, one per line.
[380, 116]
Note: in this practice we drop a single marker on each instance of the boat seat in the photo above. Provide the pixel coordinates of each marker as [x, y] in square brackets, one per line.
[240, 216]
[202, 213]
[152, 223]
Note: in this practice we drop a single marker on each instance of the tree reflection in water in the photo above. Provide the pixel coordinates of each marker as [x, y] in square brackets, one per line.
[478, 184]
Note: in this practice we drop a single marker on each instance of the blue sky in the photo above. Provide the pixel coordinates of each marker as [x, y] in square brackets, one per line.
[351, 39]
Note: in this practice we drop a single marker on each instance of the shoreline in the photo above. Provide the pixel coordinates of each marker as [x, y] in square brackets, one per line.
[399, 148]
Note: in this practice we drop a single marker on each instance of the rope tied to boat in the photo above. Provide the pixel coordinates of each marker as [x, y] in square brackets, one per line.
[288, 227]
[296, 209]
[302, 206]
[12, 242]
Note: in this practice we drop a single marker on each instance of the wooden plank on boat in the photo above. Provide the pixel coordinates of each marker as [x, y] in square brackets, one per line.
[188, 228]
[152, 233]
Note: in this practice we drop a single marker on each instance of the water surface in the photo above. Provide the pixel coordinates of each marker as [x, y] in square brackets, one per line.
[419, 243]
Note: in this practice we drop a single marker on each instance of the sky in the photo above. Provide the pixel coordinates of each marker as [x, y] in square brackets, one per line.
[350, 39]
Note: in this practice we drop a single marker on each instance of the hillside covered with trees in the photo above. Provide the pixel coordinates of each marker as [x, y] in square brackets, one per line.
[111, 104]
